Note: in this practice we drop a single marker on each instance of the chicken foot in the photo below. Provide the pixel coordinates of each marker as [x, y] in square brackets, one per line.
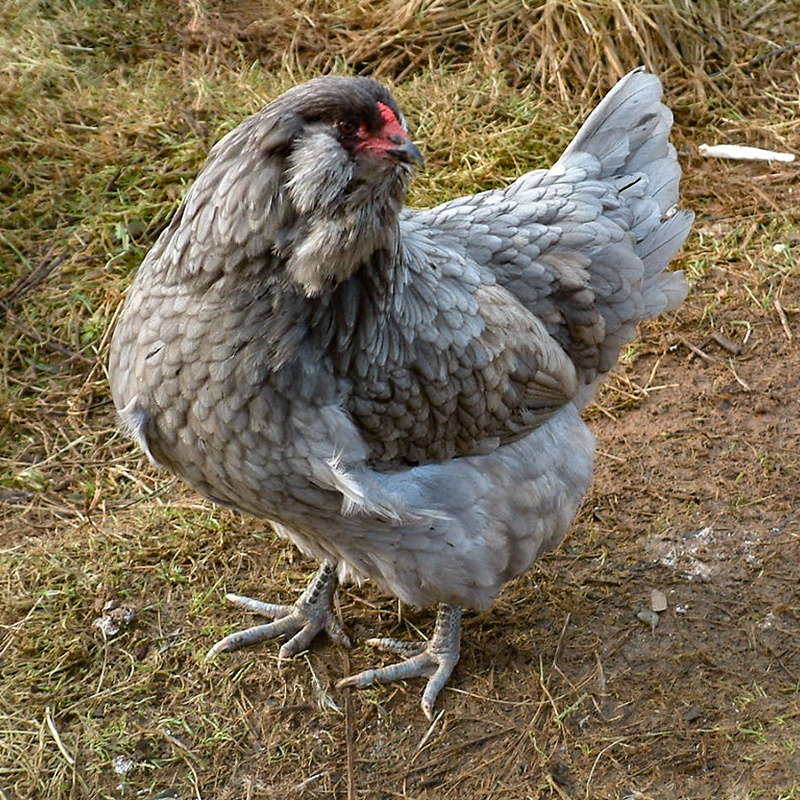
[310, 614]
[434, 660]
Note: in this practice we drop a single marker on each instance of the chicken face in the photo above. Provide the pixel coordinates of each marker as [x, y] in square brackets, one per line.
[335, 157]
[347, 176]
[390, 142]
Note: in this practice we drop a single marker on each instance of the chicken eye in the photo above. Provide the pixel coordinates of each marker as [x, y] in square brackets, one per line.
[346, 127]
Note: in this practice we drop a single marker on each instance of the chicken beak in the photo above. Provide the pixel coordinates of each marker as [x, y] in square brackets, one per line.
[407, 153]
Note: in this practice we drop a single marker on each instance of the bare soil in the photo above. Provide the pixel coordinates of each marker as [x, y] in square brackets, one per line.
[563, 690]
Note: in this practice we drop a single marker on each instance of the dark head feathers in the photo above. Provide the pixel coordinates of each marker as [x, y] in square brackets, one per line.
[329, 98]
[334, 97]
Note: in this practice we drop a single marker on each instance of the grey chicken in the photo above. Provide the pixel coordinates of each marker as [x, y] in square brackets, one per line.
[397, 391]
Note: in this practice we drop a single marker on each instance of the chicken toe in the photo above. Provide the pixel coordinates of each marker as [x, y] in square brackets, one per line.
[434, 660]
[301, 621]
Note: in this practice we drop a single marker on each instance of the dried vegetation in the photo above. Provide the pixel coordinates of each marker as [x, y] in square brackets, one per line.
[106, 113]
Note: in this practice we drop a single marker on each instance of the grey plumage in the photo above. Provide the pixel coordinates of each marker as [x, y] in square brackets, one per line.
[398, 391]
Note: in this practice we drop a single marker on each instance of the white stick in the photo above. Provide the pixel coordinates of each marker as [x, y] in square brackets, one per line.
[743, 153]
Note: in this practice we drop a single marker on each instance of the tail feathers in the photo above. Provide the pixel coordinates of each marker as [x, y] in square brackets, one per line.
[633, 106]
[664, 291]
[661, 182]
[628, 133]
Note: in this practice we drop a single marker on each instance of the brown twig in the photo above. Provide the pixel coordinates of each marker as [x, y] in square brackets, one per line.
[734, 348]
[697, 351]
[349, 724]
[30, 281]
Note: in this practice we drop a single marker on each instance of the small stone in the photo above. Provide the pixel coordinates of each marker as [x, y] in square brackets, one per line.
[658, 600]
[115, 618]
[122, 764]
[648, 617]
[692, 714]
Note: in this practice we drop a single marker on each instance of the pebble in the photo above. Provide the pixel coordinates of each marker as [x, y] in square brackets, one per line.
[115, 618]
[648, 617]
[658, 601]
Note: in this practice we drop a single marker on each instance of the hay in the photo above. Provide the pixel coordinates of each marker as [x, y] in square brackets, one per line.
[574, 49]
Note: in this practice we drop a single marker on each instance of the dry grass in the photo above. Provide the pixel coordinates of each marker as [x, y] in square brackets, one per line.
[572, 49]
[106, 113]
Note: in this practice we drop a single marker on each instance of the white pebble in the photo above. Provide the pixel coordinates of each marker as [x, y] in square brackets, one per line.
[658, 600]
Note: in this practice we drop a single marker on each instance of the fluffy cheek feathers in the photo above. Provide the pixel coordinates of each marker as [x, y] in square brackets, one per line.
[319, 173]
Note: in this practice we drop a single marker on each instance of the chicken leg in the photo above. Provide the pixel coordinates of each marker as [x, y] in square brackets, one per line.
[434, 660]
[310, 614]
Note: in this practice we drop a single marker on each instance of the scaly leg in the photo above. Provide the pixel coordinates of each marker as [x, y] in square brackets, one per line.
[310, 614]
[434, 660]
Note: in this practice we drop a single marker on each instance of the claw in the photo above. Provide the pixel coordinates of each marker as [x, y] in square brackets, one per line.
[434, 660]
[301, 621]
